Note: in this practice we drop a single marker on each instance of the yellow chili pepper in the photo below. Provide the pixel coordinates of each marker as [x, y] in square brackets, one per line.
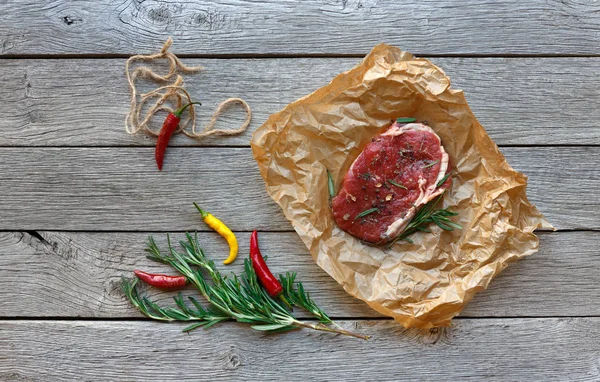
[223, 230]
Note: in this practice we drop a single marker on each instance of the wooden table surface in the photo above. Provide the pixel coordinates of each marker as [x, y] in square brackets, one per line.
[79, 196]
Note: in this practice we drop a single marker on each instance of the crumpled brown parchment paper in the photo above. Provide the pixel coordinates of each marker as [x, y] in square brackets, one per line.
[426, 283]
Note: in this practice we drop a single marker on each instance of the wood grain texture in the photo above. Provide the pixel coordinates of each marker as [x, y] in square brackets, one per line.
[78, 275]
[117, 189]
[290, 27]
[83, 102]
[473, 350]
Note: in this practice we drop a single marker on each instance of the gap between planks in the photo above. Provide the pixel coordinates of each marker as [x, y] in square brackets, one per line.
[308, 319]
[266, 56]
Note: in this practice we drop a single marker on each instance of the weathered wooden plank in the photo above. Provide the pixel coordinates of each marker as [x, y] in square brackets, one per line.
[115, 189]
[83, 102]
[289, 27]
[78, 275]
[476, 349]
[559, 181]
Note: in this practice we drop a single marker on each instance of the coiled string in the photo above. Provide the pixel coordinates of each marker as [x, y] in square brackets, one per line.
[176, 92]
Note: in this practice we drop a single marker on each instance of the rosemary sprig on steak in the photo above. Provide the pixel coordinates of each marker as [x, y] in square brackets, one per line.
[396, 184]
[439, 184]
[426, 215]
[366, 212]
[431, 164]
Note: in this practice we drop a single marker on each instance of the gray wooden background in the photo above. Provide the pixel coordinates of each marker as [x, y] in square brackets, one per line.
[78, 196]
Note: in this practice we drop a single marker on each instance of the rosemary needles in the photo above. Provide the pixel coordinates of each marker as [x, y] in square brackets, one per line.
[366, 212]
[426, 215]
[330, 185]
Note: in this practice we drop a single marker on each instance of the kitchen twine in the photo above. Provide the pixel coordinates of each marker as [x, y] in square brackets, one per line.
[174, 91]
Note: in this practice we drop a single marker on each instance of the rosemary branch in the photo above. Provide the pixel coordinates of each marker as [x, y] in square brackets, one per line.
[330, 186]
[405, 120]
[431, 164]
[396, 184]
[426, 215]
[366, 212]
[229, 297]
[295, 295]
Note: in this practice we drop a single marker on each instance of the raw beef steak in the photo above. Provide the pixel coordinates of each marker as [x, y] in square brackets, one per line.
[395, 175]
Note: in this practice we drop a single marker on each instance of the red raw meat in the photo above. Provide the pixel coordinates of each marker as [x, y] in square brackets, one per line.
[397, 173]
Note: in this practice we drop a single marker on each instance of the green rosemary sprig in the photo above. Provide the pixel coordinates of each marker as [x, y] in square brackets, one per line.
[330, 185]
[396, 184]
[366, 212]
[206, 318]
[431, 164]
[442, 181]
[230, 298]
[426, 215]
[405, 120]
[294, 294]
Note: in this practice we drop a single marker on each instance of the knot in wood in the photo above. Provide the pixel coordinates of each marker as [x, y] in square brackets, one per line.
[232, 359]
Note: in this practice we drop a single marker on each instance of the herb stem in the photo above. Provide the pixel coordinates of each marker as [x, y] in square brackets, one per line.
[405, 120]
[397, 184]
[439, 184]
[366, 212]
[324, 328]
[426, 215]
[330, 185]
[431, 164]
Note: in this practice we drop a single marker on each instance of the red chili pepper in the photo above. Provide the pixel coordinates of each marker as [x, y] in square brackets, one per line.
[162, 281]
[168, 128]
[266, 278]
